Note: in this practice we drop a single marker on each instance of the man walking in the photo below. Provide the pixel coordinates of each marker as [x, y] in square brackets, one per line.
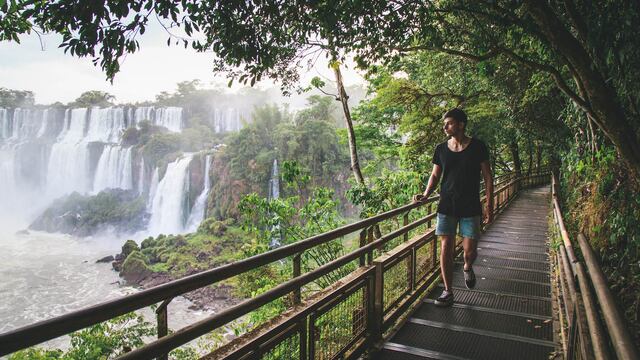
[459, 161]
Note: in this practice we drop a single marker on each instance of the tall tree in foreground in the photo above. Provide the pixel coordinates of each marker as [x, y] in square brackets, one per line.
[589, 49]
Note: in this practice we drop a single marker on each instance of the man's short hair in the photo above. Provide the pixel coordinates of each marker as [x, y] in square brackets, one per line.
[457, 114]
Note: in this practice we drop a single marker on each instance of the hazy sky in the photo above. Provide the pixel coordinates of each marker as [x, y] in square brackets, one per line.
[55, 76]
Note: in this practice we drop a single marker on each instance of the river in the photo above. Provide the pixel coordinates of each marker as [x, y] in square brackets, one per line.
[45, 275]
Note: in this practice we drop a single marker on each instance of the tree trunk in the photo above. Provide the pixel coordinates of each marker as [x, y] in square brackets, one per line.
[515, 156]
[601, 97]
[355, 165]
[538, 156]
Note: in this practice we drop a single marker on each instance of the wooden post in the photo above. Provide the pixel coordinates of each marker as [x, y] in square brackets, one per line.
[363, 242]
[405, 222]
[369, 241]
[297, 269]
[163, 324]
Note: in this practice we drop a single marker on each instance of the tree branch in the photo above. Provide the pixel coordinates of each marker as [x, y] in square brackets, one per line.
[555, 74]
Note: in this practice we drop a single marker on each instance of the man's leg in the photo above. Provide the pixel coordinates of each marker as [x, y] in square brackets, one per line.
[470, 231]
[447, 244]
[470, 246]
[446, 231]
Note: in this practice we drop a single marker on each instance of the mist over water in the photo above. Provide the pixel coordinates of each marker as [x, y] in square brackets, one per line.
[46, 153]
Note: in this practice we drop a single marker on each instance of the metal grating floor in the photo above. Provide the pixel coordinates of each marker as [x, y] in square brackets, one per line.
[508, 313]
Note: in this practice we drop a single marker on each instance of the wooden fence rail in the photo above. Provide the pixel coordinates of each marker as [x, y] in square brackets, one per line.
[341, 321]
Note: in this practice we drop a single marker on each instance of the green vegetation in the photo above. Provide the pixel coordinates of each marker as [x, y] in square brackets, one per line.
[544, 83]
[122, 211]
[604, 204]
[102, 341]
[93, 98]
[215, 243]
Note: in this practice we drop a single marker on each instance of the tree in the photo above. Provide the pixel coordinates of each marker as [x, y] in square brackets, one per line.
[590, 51]
[15, 98]
[93, 98]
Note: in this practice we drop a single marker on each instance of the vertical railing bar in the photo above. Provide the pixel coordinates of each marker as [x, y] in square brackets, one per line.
[405, 222]
[163, 323]
[369, 241]
[297, 271]
[363, 242]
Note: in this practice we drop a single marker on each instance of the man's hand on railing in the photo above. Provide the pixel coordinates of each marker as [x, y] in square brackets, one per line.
[419, 198]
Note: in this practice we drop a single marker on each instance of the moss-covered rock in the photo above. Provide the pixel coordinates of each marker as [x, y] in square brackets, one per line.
[135, 268]
[211, 226]
[129, 247]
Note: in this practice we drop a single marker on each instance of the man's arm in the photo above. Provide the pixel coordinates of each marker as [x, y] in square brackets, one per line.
[485, 166]
[434, 179]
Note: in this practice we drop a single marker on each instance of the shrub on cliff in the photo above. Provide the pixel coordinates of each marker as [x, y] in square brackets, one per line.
[211, 226]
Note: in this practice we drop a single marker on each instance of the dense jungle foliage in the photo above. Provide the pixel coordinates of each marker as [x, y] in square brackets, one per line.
[544, 83]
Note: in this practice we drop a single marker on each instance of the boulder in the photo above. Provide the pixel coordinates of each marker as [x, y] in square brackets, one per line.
[135, 269]
[106, 259]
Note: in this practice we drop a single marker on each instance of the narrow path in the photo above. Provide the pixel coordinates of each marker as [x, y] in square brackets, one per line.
[508, 313]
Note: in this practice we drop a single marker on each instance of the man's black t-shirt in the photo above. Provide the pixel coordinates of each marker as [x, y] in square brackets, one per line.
[460, 186]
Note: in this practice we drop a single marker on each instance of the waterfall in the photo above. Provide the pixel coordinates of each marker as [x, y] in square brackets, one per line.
[153, 186]
[274, 193]
[50, 152]
[170, 117]
[198, 211]
[106, 124]
[143, 113]
[141, 177]
[167, 210]
[226, 120]
[5, 124]
[68, 168]
[26, 123]
[274, 182]
[114, 169]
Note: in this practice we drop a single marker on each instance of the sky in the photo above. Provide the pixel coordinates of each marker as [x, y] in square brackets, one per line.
[55, 76]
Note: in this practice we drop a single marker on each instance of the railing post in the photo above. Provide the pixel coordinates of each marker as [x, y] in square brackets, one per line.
[405, 222]
[163, 324]
[297, 269]
[378, 307]
[369, 241]
[363, 242]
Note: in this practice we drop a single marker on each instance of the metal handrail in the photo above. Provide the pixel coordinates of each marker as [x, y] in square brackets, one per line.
[574, 271]
[52, 328]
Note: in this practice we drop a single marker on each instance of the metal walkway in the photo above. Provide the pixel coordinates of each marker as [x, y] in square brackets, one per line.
[508, 315]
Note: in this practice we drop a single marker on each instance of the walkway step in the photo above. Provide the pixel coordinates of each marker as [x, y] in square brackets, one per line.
[465, 345]
[508, 313]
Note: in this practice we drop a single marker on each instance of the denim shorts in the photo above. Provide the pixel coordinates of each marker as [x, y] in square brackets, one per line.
[448, 225]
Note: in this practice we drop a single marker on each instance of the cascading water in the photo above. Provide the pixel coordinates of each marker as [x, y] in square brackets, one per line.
[5, 124]
[274, 193]
[170, 117]
[274, 182]
[141, 177]
[114, 169]
[225, 120]
[167, 209]
[153, 186]
[105, 124]
[68, 168]
[198, 211]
